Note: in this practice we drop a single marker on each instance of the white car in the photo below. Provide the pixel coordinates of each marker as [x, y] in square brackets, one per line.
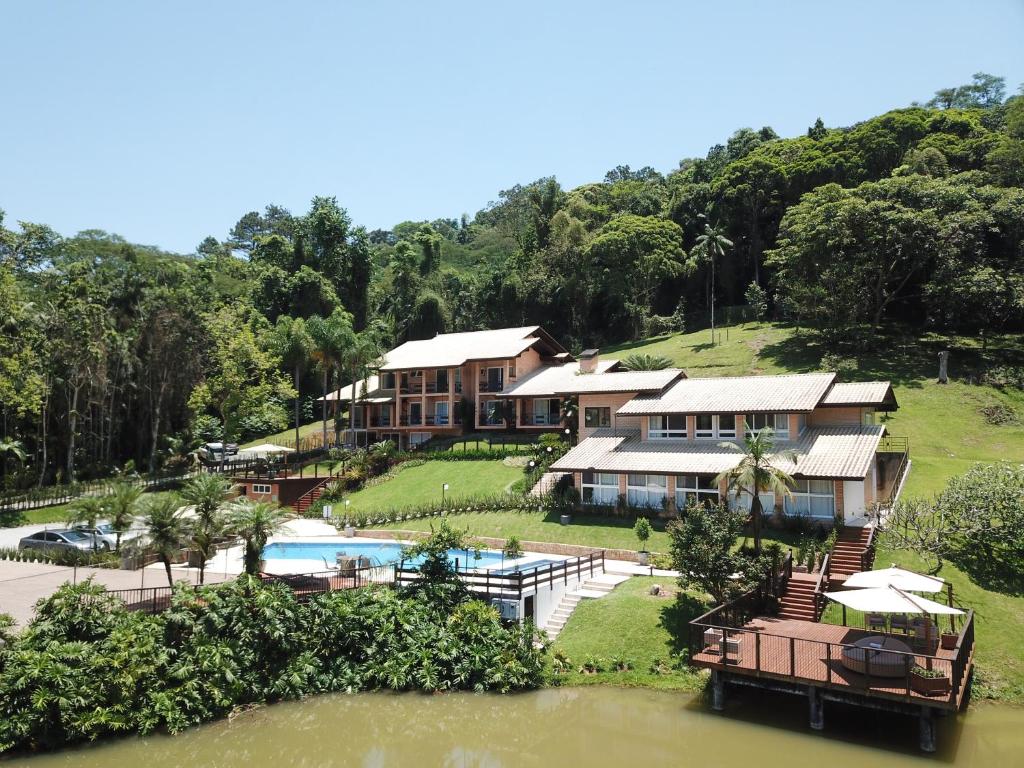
[217, 451]
[104, 535]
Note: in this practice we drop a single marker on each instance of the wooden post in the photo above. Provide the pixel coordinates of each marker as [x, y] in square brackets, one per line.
[944, 367]
[926, 729]
[817, 708]
[717, 690]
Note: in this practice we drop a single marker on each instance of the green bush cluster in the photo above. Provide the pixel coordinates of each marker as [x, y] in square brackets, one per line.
[61, 557]
[479, 504]
[86, 667]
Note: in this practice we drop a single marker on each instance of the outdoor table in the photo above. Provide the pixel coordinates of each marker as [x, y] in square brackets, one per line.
[876, 654]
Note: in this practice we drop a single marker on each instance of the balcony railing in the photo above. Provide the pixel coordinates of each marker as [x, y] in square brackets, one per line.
[491, 387]
[541, 419]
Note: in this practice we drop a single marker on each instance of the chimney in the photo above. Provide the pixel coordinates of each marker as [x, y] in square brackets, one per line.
[588, 360]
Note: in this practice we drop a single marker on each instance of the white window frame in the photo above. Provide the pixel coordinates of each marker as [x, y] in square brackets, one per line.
[770, 420]
[646, 490]
[599, 408]
[690, 485]
[658, 427]
[262, 488]
[498, 412]
[604, 489]
[542, 416]
[728, 432]
[441, 405]
[703, 433]
[801, 501]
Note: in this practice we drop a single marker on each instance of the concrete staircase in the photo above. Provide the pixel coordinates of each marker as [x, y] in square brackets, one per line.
[546, 483]
[797, 601]
[592, 589]
[846, 557]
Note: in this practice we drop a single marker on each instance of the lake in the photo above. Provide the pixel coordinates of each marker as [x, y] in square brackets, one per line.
[588, 727]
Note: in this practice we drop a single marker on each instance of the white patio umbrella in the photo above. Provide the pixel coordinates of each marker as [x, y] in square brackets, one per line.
[908, 581]
[265, 449]
[890, 600]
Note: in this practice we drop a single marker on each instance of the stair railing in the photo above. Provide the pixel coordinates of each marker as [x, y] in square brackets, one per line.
[867, 555]
[821, 586]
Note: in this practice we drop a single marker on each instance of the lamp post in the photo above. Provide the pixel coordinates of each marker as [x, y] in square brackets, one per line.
[444, 488]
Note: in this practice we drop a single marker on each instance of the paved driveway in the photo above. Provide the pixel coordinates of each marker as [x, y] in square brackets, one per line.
[23, 584]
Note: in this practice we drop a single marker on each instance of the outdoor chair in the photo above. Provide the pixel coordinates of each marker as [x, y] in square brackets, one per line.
[899, 622]
[875, 622]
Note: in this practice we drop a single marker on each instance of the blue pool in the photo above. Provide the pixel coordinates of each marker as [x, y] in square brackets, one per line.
[378, 552]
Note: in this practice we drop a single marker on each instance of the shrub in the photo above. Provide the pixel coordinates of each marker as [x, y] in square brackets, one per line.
[642, 529]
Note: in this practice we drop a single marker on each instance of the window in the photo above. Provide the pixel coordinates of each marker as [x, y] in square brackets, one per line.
[546, 411]
[441, 412]
[512, 369]
[458, 379]
[725, 423]
[779, 422]
[595, 417]
[704, 425]
[695, 489]
[495, 379]
[260, 488]
[812, 498]
[493, 412]
[714, 425]
[646, 490]
[666, 426]
[600, 488]
[441, 378]
[387, 381]
[385, 416]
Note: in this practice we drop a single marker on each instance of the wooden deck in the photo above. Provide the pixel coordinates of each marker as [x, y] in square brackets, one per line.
[810, 653]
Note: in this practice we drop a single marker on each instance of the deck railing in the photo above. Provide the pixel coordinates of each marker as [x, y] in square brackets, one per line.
[755, 652]
[490, 583]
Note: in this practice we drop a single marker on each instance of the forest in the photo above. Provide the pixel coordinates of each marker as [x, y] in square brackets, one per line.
[115, 355]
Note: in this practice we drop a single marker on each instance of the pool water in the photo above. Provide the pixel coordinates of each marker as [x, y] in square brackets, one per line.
[379, 553]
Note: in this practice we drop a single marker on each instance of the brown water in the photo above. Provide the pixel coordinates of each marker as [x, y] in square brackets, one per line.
[579, 727]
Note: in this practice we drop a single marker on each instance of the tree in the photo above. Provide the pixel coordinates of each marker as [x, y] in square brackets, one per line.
[757, 300]
[241, 380]
[817, 131]
[755, 474]
[642, 531]
[87, 511]
[123, 504]
[702, 546]
[634, 255]
[711, 245]
[294, 345]
[206, 493]
[332, 338]
[984, 92]
[645, 362]
[255, 522]
[10, 449]
[166, 529]
[437, 575]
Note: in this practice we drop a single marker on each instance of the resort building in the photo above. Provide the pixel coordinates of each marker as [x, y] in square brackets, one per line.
[666, 449]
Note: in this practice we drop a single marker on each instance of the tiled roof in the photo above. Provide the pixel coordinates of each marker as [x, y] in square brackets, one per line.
[792, 393]
[841, 452]
[860, 393]
[451, 349]
[567, 380]
[374, 394]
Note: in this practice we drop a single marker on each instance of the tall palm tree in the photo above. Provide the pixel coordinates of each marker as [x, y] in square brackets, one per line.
[755, 474]
[295, 346]
[166, 529]
[332, 337]
[366, 348]
[10, 448]
[123, 504]
[87, 511]
[711, 245]
[206, 493]
[255, 522]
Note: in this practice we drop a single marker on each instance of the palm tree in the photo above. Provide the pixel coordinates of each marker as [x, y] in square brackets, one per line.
[295, 346]
[645, 362]
[332, 337]
[366, 348]
[255, 522]
[10, 448]
[206, 493]
[711, 244]
[123, 506]
[87, 511]
[755, 474]
[166, 529]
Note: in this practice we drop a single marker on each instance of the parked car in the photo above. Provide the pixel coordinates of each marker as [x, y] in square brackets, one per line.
[104, 533]
[217, 451]
[69, 541]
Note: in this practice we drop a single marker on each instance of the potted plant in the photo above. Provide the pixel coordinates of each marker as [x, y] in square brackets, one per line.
[929, 682]
[948, 640]
[642, 529]
[513, 550]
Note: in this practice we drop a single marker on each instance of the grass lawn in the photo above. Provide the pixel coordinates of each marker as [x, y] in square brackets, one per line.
[947, 430]
[636, 626]
[287, 437]
[422, 484]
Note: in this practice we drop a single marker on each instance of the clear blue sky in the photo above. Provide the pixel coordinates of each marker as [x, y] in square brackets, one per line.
[165, 122]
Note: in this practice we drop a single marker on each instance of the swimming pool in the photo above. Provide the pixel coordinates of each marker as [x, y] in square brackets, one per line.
[378, 552]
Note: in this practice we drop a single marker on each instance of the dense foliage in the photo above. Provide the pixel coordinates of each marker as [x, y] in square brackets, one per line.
[87, 668]
[112, 352]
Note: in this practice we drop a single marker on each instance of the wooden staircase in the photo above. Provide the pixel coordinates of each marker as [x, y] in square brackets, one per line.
[853, 552]
[797, 602]
[306, 500]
